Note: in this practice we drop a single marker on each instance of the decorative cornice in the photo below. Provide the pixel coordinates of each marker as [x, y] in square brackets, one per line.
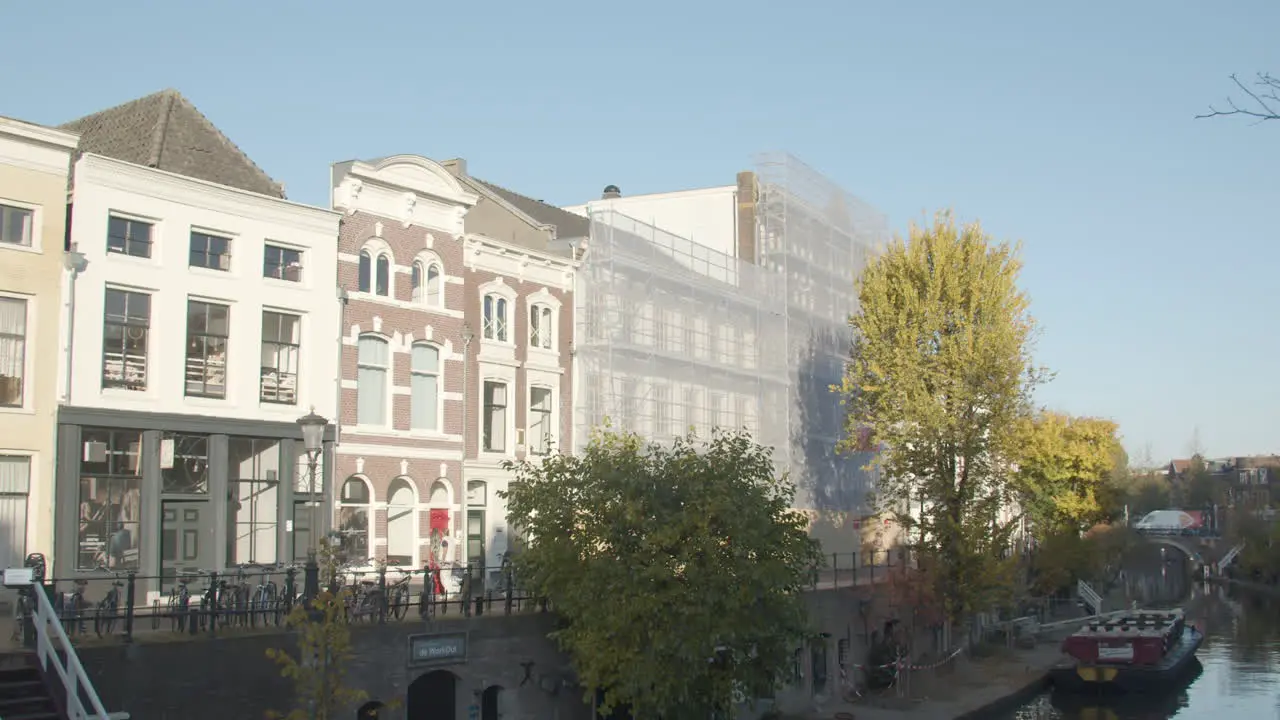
[60, 139]
[163, 185]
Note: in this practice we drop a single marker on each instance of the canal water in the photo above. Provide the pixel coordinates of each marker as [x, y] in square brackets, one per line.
[1239, 673]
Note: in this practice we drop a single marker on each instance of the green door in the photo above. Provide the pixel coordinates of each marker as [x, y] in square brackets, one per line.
[475, 549]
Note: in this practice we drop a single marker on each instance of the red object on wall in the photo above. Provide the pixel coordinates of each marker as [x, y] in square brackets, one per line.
[439, 519]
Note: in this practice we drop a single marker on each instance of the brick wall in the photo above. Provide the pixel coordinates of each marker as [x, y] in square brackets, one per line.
[400, 319]
[519, 326]
[232, 678]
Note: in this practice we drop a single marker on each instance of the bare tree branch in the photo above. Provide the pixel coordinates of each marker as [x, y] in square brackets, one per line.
[1264, 98]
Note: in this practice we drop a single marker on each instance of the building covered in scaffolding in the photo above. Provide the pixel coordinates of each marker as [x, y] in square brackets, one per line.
[728, 307]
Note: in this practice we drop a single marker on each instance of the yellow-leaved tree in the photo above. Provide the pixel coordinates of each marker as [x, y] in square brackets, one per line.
[319, 667]
[941, 376]
[1067, 471]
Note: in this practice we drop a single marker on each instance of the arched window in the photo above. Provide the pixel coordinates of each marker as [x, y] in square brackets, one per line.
[365, 281]
[402, 533]
[353, 520]
[424, 379]
[540, 326]
[495, 318]
[435, 285]
[415, 282]
[373, 361]
[383, 277]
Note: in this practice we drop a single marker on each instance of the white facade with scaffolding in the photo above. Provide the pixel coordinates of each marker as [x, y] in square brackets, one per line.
[674, 333]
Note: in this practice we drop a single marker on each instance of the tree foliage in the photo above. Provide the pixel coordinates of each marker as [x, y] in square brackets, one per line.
[657, 556]
[319, 669]
[941, 376]
[1067, 471]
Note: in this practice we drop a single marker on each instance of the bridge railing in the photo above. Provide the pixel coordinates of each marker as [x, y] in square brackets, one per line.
[58, 658]
[1089, 596]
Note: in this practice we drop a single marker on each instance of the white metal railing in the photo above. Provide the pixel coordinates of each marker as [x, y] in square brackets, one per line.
[1230, 557]
[82, 701]
[1090, 596]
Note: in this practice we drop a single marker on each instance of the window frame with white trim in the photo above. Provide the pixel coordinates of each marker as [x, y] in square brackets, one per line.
[30, 231]
[422, 376]
[15, 353]
[421, 278]
[388, 376]
[541, 420]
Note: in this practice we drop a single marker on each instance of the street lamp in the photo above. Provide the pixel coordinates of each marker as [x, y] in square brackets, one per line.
[313, 427]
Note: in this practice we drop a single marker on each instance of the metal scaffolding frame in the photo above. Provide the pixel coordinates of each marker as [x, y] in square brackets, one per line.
[671, 334]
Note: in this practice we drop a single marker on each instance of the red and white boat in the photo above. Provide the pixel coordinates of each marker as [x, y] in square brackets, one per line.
[1130, 652]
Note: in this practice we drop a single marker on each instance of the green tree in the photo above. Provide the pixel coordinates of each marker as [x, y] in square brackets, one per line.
[1067, 472]
[941, 375]
[319, 668]
[661, 559]
[1200, 487]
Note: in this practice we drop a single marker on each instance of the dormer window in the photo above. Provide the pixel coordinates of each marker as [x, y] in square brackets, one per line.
[495, 318]
[540, 326]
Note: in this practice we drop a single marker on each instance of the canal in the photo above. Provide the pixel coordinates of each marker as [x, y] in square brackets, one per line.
[1239, 674]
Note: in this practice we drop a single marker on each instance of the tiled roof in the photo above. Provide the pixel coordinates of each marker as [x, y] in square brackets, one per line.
[567, 224]
[165, 131]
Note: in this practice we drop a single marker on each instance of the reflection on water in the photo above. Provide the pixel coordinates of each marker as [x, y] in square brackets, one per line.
[1239, 675]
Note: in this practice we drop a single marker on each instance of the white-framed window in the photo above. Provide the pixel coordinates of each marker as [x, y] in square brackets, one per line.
[282, 263]
[373, 365]
[375, 272]
[15, 485]
[127, 236]
[281, 344]
[13, 352]
[208, 330]
[495, 318]
[541, 326]
[17, 225]
[494, 429]
[424, 390]
[382, 276]
[542, 435]
[210, 251]
[426, 280]
[126, 330]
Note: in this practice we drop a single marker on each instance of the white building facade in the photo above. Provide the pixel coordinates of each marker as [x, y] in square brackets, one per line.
[204, 320]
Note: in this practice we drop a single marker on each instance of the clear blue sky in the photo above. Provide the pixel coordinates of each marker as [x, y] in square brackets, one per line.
[1151, 255]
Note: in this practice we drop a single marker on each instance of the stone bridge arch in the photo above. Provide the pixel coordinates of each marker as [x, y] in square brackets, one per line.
[1199, 550]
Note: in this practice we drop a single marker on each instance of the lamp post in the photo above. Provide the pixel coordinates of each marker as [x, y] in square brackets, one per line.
[467, 336]
[313, 427]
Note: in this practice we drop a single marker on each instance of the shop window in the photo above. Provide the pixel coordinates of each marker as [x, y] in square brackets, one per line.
[253, 488]
[110, 499]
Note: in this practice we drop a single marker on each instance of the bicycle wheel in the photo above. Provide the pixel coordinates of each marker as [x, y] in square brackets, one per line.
[104, 620]
[400, 602]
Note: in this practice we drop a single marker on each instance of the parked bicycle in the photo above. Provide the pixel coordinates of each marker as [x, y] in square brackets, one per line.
[108, 611]
[398, 594]
[70, 607]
